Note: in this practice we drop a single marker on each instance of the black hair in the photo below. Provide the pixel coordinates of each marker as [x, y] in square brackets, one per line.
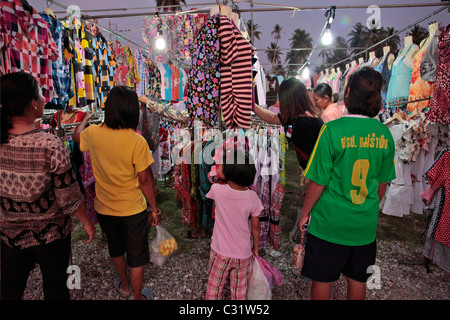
[122, 108]
[323, 90]
[238, 167]
[294, 100]
[17, 91]
[362, 94]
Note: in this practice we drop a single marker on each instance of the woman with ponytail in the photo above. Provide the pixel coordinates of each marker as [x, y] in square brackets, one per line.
[38, 194]
[349, 168]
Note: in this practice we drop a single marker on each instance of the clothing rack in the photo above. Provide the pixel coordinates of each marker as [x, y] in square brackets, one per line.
[404, 101]
[83, 17]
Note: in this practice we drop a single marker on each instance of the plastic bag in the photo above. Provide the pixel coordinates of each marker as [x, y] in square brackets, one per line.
[258, 286]
[272, 274]
[298, 256]
[162, 246]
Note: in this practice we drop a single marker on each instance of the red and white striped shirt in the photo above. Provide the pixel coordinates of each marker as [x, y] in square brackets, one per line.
[236, 83]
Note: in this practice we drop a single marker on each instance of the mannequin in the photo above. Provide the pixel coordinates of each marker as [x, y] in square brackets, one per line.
[391, 57]
[361, 61]
[373, 59]
[320, 76]
[347, 66]
[420, 88]
[432, 30]
[415, 48]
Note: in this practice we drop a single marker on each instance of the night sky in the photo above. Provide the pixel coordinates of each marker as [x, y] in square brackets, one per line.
[310, 20]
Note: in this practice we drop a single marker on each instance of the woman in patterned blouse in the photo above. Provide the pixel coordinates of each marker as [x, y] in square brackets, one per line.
[39, 193]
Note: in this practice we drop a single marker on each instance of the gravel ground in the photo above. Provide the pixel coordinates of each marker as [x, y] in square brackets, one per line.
[184, 276]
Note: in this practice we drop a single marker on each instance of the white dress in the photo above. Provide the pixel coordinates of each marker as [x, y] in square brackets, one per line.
[399, 195]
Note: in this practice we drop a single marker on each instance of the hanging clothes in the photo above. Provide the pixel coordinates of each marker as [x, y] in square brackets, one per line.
[272, 90]
[203, 87]
[383, 68]
[149, 125]
[400, 80]
[142, 72]
[154, 83]
[104, 66]
[82, 65]
[419, 88]
[439, 109]
[236, 84]
[132, 76]
[122, 67]
[439, 176]
[26, 44]
[61, 67]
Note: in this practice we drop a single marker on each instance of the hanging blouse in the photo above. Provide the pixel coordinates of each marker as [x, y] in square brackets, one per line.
[104, 66]
[154, 84]
[82, 66]
[400, 78]
[236, 88]
[86, 45]
[439, 110]
[133, 76]
[204, 76]
[121, 72]
[61, 67]
[27, 44]
[383, 68]
[419, 88]
[142, 70]
[439, 176]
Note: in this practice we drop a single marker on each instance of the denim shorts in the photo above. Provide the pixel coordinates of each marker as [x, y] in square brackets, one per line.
[326, 261]
[127, 235]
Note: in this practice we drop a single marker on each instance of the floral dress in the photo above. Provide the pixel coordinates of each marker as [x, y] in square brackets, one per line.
[204, 76]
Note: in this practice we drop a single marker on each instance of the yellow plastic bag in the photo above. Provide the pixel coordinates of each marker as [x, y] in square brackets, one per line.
[162, 246]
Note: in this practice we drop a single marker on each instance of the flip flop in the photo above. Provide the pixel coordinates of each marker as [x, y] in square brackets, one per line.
[116, 284]
[147, 293]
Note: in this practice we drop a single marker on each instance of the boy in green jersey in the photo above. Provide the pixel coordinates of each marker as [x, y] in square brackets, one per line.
[349, 168]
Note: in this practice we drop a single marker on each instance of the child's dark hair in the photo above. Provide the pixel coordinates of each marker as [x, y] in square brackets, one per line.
[122, 108]
[17, 91]
[238, 167]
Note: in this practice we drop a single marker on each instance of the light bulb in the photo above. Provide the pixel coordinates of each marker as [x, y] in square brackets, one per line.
[160, 43]
[327, 37]
[305, 73]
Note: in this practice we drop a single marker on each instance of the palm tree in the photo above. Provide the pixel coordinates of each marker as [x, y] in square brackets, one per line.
[277, 33]
[393, 42]
[418, 33]
[174, 4]
[273, 54]
[358, 37]
[324, 54]
[361, 36]
[336, 55]
[253, 30]
[300, 39]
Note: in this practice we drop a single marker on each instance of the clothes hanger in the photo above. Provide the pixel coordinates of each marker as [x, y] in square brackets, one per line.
[49, 11]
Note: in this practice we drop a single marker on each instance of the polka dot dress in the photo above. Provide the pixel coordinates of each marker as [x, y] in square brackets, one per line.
[440, 101]
[439, 176]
